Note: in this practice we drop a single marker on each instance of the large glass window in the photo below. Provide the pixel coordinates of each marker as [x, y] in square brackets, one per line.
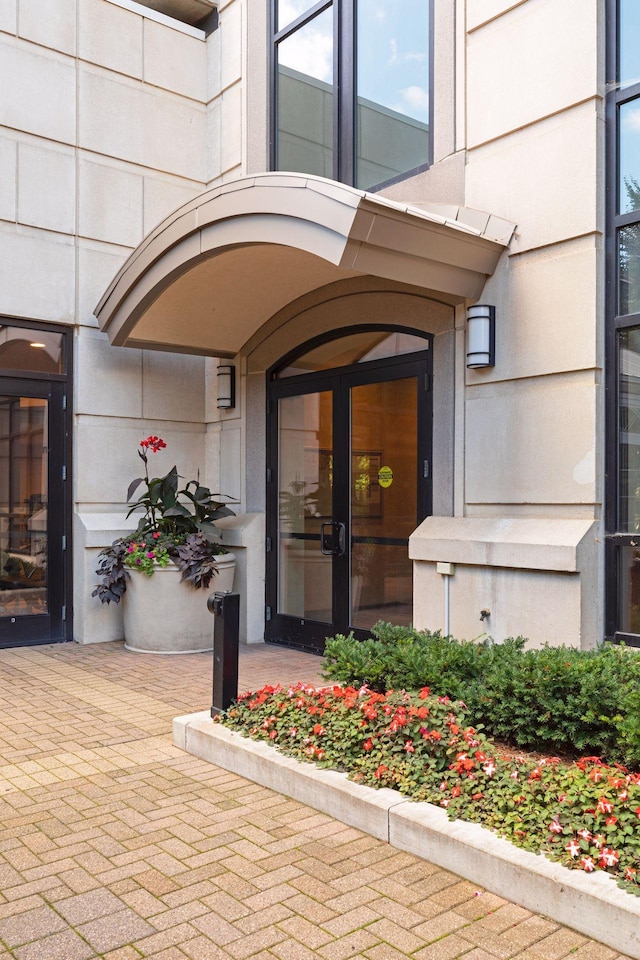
[623, 491]
[352, 88]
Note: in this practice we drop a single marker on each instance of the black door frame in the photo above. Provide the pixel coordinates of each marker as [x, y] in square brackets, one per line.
[305, 633]
[57, 625]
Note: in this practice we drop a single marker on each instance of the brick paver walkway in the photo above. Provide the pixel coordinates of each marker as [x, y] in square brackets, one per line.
[115, 844]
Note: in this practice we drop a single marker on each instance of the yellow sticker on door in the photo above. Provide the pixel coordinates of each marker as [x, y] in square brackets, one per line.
[385, 476]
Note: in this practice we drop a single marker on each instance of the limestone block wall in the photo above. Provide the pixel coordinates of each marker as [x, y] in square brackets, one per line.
[110, 119]
[528, 129]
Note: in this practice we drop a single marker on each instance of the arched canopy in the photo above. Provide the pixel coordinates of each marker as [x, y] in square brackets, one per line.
[207, 278]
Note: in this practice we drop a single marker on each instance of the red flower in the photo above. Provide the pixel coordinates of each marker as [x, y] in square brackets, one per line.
[424, 693]
[367, 745]
[156, 535]
[587, 864]
[611, 821]
[153, 443]
[382, 769]
[409, 747]
[604, 805]
[608, 858]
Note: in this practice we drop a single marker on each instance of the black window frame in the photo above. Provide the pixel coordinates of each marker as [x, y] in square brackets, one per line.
[344, 81]
[616, 96]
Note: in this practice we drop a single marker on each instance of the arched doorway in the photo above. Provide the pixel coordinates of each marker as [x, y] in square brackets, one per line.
[349, 478]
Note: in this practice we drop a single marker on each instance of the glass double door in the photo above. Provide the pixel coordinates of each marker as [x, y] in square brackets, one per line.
[349, 483]
[32, 524]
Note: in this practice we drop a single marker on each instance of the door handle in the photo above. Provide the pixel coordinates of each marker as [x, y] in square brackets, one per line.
[326, 539]
[333, 543]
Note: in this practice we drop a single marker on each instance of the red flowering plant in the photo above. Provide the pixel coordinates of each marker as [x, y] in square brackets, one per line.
[177, 525]
[585, 814]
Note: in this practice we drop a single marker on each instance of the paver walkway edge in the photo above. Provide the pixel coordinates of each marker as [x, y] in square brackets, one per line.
[591, 904]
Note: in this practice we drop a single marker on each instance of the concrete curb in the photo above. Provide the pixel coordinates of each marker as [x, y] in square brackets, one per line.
[592, 904]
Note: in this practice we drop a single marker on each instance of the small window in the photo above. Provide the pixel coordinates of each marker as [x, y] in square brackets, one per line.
[352, 89]
[31, 350]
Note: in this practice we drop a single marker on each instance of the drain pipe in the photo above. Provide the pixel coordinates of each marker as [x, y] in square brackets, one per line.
[446, 570]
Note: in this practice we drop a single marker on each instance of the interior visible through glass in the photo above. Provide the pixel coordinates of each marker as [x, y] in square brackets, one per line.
[629, 589]
[384, 500]
[305, 98]
[37, 351]
[305, 463]
[355, 348]
[392, 82]
[23, 506]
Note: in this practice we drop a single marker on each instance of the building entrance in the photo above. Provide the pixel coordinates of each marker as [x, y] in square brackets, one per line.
[33, 500]
[349, 481]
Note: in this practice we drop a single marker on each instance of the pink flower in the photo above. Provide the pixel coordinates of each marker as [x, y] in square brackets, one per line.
[573, 847]
[151, 555]
[409, 747]
[587, 864]
[584, 834]
[489, 768]
[554, 826]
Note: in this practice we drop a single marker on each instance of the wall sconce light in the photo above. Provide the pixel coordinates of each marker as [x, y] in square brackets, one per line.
[226, 386]
[481, 336]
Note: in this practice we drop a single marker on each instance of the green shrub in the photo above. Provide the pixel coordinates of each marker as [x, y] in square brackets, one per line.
[556, 699]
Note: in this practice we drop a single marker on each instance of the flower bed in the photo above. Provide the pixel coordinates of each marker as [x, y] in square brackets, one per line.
[553, 699]
[585, 815]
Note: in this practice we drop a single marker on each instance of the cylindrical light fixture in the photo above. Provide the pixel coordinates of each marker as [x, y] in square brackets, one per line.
[226, 386]
[481, 336]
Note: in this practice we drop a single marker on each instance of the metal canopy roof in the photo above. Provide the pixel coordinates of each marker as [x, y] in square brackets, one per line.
[207, 278]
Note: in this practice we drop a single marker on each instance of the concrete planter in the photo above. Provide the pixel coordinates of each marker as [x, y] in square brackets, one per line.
[163, 615]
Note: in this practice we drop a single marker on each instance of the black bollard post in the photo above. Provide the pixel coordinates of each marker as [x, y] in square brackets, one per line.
[226, 609]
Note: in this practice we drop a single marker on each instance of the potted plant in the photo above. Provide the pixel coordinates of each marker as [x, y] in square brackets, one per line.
[174, 549]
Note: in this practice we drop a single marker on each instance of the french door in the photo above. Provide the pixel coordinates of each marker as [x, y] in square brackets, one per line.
[348, 481]
[32, 511]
